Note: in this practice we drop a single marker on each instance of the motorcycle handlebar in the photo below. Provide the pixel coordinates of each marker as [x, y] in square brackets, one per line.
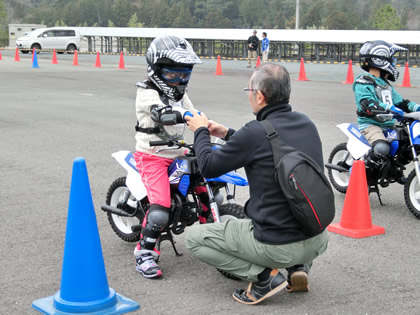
[160, 142]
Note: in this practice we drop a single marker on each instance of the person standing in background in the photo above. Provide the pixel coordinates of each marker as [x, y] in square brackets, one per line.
[253, 43]
[265, 46]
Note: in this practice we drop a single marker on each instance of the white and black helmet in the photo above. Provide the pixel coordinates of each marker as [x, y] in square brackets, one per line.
[380, 54]
[170, 53]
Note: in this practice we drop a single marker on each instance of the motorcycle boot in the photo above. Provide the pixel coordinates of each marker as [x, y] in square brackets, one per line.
[146, 256]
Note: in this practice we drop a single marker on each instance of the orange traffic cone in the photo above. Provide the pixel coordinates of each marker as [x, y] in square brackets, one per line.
[302, 74]
[98, 60]
[350, 77]
[258, 62]
[406, 80]
[54, 58]
[75, 59]
[17, 55]
[121, 65]
[33, 53]
[218, 66]
[1, 58]
[356, 221]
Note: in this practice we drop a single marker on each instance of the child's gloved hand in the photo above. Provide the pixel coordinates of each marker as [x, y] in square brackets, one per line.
[396, 110]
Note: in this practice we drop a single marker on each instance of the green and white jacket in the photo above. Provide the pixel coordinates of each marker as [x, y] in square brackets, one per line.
[372, 92]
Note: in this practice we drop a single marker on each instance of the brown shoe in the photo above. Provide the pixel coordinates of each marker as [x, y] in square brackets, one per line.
[298, 279]
[259, 291]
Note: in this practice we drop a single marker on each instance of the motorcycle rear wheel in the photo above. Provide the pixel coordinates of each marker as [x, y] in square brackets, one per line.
[230, 211]
[412, 194]
[340, 156]
[122, 225]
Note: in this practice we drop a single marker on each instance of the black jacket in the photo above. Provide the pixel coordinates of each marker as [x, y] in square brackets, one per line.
[254, 40]
[249, 148]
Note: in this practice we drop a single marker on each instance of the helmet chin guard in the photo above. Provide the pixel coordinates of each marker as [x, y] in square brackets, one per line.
[170, 52]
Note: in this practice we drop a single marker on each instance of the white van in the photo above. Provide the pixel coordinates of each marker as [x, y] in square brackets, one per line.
[59, 38]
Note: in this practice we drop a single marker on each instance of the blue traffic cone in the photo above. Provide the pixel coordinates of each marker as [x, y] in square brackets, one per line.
[84, 284]
[35, 59]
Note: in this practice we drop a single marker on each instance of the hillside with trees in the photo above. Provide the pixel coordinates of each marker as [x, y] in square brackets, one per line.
[268, 14]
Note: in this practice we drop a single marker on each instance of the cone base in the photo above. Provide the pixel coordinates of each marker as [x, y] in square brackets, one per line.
[356, 233]
[122, 305]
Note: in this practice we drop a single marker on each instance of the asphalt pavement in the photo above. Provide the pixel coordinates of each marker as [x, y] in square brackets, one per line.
[52, 114]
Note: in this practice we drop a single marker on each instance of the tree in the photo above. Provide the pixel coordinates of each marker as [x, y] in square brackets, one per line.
[251, 13]
[122, 12]
[184, 18]
[3, 13]
[386, 19]
[133, 22]
[60, 23]
[215, 19]
[313, 17]
[3, 21]
[279, 20]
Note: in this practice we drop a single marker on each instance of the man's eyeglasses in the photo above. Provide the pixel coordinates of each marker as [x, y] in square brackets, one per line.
[250, 90]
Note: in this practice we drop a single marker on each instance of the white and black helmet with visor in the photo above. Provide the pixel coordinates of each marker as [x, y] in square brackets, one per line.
[170, 60]
[380, 54]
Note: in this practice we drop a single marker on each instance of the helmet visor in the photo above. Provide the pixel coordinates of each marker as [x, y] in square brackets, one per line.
[394, 61]
[176, 75]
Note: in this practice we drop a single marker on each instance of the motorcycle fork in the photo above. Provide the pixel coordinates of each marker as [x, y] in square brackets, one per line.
[229, 196]
[124, 198]
[413, 150]
[213, 205]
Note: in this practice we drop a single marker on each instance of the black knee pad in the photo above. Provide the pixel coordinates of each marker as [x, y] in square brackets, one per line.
[157, 219]
[380, 148]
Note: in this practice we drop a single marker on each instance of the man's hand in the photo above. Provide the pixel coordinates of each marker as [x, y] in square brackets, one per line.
[217, 130]
[197, 121]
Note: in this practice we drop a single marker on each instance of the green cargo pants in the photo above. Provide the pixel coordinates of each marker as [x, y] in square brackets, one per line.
[231, 246]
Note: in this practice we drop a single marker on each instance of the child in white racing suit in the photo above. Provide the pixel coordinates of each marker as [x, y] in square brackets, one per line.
[161, 103]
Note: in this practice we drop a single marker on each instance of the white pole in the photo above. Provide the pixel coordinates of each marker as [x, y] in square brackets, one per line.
[297, 14]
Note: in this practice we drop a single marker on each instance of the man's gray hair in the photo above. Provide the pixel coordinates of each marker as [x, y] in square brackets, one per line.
[273, 81]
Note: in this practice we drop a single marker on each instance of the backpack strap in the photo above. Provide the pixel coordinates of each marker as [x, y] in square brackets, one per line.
[278, 146]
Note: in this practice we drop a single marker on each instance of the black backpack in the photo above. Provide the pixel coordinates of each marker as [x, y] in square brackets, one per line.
[304, 184]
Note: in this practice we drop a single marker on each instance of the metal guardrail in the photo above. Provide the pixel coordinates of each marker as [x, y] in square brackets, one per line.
[238, 49]
[294, 58]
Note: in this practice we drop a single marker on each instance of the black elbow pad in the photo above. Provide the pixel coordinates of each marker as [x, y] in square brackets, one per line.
[371, 108]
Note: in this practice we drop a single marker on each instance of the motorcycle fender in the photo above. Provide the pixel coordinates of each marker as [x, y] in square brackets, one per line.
[133, 180]
[357, 144]
[230, 178]
[415, 132]
[136, 186]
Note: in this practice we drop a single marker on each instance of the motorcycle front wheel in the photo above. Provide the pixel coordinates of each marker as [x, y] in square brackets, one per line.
[230, 211]
[412, 194]
[122, 225]
[340, 156]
